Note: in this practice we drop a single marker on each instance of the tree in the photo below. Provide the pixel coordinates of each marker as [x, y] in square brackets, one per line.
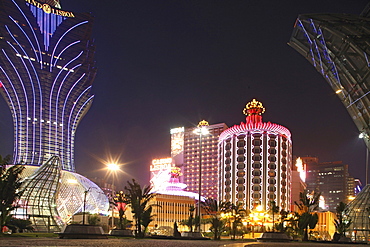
[307, 204]
[237, 213]
[120, 203]
[274, 210]
[10, 183]
[191, 221]
[341, 224]
[147, 218]
[93, 219]
[214, 209]
[19, 225]
[139, 199]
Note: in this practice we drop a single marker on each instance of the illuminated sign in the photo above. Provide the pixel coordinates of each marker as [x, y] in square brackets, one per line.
[177, 130]
[301, 168]
[50, 10]
[177, 141]
[161, 164]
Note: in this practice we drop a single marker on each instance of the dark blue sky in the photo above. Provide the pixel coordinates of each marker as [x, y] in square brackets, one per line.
[164, 64]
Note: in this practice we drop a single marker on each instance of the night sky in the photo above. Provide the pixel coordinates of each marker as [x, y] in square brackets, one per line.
[165, 64]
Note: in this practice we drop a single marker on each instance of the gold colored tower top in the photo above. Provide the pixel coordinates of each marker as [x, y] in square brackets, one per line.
[203, 123]
[254, 108]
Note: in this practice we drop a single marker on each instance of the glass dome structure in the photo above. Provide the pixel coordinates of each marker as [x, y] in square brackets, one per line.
[358, 211]
[51, 196]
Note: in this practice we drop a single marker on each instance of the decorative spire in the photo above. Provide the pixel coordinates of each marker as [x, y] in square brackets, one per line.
[254, 111]
[203, 123]
[254, 108]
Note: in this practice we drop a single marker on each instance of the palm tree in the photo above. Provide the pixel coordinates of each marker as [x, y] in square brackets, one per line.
[308, 203]
[214, 208]
[237, 213]
[10, 183]
[274, 210]
[120, 202]
[147, 218]
[191, 221]
[139, 199]
[341, 225]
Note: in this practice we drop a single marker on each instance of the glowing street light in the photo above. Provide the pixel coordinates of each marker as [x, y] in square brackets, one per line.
[201, 130]
[113, 168]
[364, 136]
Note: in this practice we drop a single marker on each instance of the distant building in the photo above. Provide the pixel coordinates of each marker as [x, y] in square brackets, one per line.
[185, 148]
[331, 179]
[255, 160]
[325, 228]
[311, 174]
[298, 182]
[172, 208]
[174, 204]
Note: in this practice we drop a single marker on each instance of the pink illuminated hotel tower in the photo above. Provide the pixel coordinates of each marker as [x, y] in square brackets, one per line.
[255, 160]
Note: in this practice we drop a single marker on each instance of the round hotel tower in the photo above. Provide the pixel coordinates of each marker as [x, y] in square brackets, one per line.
[255, 162]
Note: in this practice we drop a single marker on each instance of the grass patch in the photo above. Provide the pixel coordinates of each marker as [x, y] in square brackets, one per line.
[31, 235]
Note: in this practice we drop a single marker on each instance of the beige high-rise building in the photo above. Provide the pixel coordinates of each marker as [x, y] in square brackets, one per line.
[185, 151]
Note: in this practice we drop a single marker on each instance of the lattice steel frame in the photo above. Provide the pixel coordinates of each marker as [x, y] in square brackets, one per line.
[338, 46]
[38, 200]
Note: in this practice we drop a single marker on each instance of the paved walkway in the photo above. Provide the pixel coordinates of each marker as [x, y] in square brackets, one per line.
[56, 242]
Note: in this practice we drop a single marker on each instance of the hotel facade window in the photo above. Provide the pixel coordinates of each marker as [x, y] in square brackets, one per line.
[255, 161]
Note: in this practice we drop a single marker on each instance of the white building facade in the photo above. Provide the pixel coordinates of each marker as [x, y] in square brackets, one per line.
[255, 160]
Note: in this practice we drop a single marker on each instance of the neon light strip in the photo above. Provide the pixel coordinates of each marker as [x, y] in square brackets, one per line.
[309, 40]
[74, 124]
[33, 92]
[20, 113]
[69, 121]
[35, 73]
[33, 32]
[57, 59]
[57, 106]
[245, 127]
[50, 99]
[26, 98]
[34, 50]
[14, 112]
[64, 107]
[64, 34]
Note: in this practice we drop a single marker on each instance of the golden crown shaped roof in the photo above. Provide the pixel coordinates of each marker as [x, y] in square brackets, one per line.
[203, 123]
[254, 108]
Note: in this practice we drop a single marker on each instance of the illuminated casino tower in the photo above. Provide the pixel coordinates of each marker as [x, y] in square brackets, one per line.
[255, 160]
[46, 72]
[185, 151]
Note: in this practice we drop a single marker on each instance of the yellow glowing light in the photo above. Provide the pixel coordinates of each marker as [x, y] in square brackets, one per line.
[351, 198]
[113, 167]
[254, 107]
[203, 123]
[72, 181]
[301, 168]
[338, 91]
[259, 208]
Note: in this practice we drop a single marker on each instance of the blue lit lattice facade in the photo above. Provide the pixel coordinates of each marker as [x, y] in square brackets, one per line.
[338, 46]
[46, 72]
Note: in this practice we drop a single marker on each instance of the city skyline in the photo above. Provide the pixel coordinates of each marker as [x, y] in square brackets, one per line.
[170, 64]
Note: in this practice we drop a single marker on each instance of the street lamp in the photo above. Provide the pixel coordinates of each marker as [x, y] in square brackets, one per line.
[113, 168]
[201, 130]
[364, 136]
[84, 208]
